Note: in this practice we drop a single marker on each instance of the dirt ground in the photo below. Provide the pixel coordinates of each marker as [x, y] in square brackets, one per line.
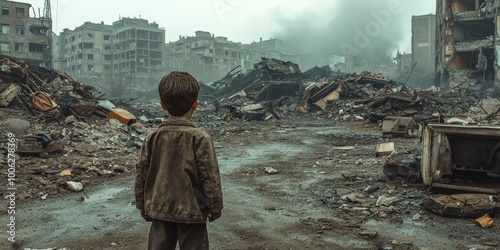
[322, 197]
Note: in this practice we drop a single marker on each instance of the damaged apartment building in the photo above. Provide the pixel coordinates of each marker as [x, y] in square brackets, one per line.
[24, 37]
[211, 57]
[121, 57]
[468, 43]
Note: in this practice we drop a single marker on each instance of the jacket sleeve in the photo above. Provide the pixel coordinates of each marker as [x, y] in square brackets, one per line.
[208, 174]
[141, 172]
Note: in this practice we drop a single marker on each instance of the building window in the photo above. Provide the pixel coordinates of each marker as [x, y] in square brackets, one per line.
[107, 66]
[79, 56]
[6, 29]
[5, 11]
[19, 12]
[90, 56]
[90, 67]
[107, 47]
[88, 45]
[19, 47]
[20, 30]
[106, 37]
[5, 47]
[107, 57]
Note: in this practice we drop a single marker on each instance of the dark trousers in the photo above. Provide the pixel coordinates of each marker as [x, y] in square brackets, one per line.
[164, 235]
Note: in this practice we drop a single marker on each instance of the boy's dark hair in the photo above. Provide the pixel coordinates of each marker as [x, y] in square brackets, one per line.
[178, 91]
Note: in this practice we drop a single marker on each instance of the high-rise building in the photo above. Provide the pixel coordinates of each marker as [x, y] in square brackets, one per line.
[424, 45]
[128, 54]
[138, 51]
[27, 38]
[85, 52]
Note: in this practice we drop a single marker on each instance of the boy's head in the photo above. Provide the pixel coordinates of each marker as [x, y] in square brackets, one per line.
[179, 93]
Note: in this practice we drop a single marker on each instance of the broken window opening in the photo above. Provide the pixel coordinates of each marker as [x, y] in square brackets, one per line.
[36, 47]
[5, 11]
[38, 30]
[88, 45]
[20, 30]
[6, 29]
[90, 67]
[19, 12]
[106, 37]
[473, 31]
[5, 47]
[460, 6]
[19, 47]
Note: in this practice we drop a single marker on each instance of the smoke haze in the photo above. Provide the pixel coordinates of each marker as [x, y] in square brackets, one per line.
[371, 29]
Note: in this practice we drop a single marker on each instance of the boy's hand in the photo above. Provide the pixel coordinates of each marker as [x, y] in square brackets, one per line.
[214, 215]
[145, 216]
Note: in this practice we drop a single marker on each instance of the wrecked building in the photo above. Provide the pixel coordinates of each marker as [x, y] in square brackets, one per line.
[207, 57]
[85, 52]
[466, 43]
[137, 52]
[25, 37]
[126, 55]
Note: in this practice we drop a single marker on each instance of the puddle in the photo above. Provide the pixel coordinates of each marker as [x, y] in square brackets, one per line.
[258, 154]
[104, 194]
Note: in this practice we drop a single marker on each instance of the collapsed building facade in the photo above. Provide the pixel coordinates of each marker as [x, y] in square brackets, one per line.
[467, 43]
[25, 37]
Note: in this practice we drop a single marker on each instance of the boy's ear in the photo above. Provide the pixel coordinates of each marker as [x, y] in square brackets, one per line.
[195, 105]
[163, 106]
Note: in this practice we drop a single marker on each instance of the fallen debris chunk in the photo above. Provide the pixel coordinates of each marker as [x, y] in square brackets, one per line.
[386, 201]
[42, 101]
[399, 126]
[485, 221]
[17, 126]
[41, 143]
[66, 173]
[9, 94]
[489, 243]
[384, 149]
[271, 170]
[75, 186]
[370, 234]
[405, 164]
[122, 115]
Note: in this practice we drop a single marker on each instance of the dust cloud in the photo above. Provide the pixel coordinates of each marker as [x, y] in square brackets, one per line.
[373, 29]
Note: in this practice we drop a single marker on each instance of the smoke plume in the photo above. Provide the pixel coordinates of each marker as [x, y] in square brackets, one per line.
[371, 29]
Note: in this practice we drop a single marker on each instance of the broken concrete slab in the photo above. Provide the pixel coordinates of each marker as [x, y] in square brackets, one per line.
[17, 126]
[384, 148]
[9, 94]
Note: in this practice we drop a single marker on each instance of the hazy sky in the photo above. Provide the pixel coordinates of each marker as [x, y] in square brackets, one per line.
[241, 20]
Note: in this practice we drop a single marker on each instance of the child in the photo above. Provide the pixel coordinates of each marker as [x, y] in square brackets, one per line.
[177, 184]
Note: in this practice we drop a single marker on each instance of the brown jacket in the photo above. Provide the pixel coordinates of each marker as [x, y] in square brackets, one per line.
[177, 174]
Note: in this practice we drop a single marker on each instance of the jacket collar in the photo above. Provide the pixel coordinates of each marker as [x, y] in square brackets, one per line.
[178, 121]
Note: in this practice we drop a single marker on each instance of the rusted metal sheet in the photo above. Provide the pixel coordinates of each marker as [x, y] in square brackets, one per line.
[461, 157]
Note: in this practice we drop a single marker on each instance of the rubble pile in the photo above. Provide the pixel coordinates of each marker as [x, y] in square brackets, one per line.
[278, 89]
[66, 136]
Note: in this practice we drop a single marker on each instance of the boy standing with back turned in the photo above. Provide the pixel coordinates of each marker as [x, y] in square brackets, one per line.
[177, 184]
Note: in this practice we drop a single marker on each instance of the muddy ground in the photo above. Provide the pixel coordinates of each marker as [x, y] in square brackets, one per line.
[321, 198]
